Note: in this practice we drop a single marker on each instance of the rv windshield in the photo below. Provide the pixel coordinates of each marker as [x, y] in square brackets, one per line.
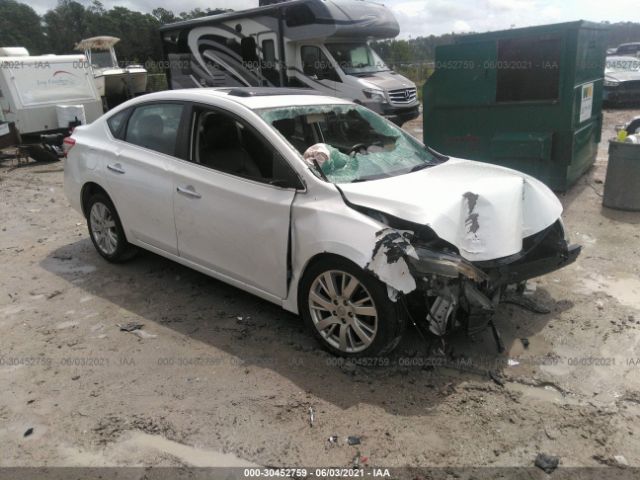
[356, 58]
[357, 144]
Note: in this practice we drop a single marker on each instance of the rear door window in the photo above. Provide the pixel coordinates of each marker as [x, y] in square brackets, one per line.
[116, 123]
[155, 127]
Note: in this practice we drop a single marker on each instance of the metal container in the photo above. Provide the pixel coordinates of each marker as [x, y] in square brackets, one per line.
[527, 98]
[622, 184]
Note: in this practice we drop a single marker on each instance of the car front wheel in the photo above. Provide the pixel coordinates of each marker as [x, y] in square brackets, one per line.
[348, 310]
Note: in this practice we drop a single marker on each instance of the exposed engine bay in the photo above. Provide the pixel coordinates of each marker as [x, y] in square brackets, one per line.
[450, 292]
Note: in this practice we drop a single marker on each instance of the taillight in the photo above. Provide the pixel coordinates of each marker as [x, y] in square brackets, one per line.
[67, 145]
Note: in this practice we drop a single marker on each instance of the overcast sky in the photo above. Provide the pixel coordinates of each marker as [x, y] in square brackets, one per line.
[426, 17]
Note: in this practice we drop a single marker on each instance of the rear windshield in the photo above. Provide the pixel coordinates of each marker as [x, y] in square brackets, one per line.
[360, 144]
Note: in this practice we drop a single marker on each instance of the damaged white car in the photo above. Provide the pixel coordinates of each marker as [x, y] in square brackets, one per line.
[316, 204]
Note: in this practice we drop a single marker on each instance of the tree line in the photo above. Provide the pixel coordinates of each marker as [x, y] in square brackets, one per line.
[421, 49]
[59, 29]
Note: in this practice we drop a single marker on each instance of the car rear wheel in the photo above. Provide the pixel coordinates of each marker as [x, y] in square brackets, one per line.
[106, 230]
[348, 310]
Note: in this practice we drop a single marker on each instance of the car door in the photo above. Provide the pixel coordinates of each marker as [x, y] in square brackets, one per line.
[232, 202]
[139, 173]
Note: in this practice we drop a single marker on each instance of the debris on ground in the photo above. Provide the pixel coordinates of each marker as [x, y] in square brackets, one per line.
[496, 378]
[528, 304]
[28, 432]
[353, 440]
[355, 461]
[530, 288]
[130, 327]
[67, 324]
[547, 463]
[525, 342]
[620, 461]
[55, 293]
[136, 329]
[312, 416]
[333, 439]
[143, 334]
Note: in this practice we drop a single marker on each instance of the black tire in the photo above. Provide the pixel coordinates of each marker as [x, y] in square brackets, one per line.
[41, 154]
[391, 317]
[123, 249]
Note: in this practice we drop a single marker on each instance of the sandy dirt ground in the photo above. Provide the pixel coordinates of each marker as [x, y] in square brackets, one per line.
[219, 377]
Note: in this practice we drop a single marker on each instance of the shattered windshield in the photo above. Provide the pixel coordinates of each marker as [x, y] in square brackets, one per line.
[356, 58]
[349, 143]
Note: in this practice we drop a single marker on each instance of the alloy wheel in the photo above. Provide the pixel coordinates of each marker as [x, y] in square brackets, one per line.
[343, 311]
[103, 228]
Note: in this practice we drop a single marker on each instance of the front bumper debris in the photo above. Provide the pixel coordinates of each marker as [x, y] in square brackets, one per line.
[457, 293]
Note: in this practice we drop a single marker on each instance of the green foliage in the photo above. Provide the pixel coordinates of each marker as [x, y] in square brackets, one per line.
[20, 27]
[414, 57]
[59, 29]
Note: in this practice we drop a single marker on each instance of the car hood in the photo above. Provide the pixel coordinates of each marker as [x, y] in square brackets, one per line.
[484, 210]
[623, 76]
[388, 80]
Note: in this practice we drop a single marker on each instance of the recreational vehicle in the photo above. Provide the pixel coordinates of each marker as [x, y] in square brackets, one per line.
[43, 95]
[317, 44]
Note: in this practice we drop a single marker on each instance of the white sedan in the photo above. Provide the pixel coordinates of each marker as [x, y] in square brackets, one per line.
[316, 204]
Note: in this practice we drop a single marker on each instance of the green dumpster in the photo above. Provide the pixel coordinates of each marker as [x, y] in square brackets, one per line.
[527, 98]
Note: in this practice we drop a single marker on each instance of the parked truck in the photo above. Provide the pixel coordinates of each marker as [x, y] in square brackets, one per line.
[316, 44]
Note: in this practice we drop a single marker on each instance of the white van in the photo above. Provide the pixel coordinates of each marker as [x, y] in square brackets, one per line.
[318, 44]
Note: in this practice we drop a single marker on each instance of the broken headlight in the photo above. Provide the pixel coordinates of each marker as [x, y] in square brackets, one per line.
[444, 264]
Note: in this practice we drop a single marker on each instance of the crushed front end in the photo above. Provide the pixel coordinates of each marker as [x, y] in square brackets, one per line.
[451, 292]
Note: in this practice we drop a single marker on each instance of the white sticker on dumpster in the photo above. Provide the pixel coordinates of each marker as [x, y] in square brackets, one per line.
[586, 105]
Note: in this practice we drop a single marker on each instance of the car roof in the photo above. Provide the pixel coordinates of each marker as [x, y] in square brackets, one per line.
[622, 57]
[251, 97]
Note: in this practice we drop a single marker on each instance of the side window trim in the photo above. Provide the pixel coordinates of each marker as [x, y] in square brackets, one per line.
[191, 125]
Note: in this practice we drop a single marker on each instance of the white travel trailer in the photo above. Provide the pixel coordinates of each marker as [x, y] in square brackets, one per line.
[38, 92]
[318, 44]
[42, 98]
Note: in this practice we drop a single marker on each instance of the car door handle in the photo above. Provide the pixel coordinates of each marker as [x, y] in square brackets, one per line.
[189, 191]
[115, 167]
